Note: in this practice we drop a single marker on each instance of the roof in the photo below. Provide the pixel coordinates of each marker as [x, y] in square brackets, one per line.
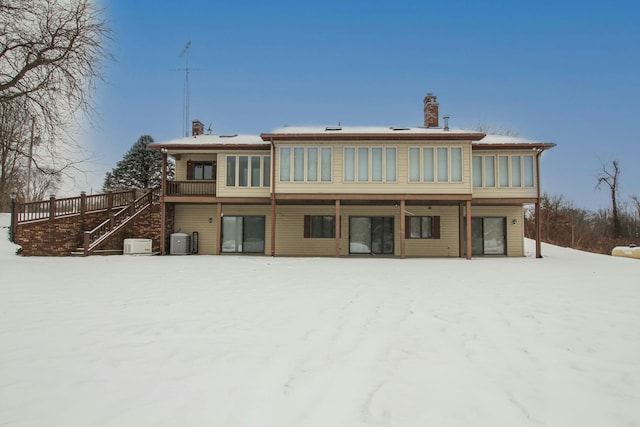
[314, 133]
[213, 141]
[504, 141]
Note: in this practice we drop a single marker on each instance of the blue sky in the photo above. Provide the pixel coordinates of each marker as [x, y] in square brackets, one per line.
[564, 72]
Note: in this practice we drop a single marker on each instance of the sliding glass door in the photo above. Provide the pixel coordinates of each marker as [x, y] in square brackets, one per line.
[371, 235]
[243, 234]
[488, 236]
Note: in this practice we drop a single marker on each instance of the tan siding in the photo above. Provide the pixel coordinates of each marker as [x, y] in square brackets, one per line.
[290, 239]
[181, 164]
[192, 217]
[449, 243]
[506, 192]
[401, 186]
[223, 191]
[515, 232]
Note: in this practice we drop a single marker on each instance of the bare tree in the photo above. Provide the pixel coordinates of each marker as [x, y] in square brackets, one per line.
[51, 52]
[610, 178]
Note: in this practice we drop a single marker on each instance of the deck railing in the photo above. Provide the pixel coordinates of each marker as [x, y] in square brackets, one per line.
[98, 234]
[57, 208]
[191, 188]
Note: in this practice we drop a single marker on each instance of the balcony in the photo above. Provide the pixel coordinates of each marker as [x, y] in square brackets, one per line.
[191, 189]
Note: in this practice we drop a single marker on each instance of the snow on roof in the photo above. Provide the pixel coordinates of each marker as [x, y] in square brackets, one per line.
[214, 140]
[295, 130]
[504, 139]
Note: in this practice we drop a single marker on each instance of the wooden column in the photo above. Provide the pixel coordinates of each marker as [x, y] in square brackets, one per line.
[273, 198]
[163, 213]
[538, 222]
[468, 229]
[273, 226]
[219, 230]
[338, 228]
[460, 230]
[403, 239]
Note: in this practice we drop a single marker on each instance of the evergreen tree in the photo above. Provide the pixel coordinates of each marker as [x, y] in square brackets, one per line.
[141, 167]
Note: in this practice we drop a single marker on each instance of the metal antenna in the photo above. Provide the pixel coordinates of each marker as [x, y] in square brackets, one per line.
[185, 112]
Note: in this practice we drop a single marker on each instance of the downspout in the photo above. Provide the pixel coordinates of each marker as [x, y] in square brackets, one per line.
[273, 198]
[538, 222]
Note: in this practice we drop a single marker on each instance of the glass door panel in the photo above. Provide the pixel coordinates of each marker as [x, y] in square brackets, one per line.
[359, 235]
[494, 236]
[253, 234]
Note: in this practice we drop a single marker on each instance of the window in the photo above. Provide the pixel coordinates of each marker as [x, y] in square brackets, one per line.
[319, 226]
[477, 171]
[245, 171]
[516, 171]
[370, 164]
[426, 164]
[489, 171]
[231, 171]
[285, 164]
[391, 164]
[298, 164]
[528, 171]
[363, 164]
[201, 170]
[309, 164]
[422, 227]
[503, 171]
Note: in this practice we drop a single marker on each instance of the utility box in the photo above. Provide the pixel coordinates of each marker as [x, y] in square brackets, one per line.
[180, 244]
[137, 247]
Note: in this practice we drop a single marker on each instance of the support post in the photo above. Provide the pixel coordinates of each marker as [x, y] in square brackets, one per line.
[163, 211]
[538, 221]
[12, 229]
[403, 238]
[338, 228]
[273, 226]
[469, 247]
[83, 208]
[52, 207]
[219, 230]
[460, 230]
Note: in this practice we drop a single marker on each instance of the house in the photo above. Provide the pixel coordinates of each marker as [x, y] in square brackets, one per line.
[429, 191]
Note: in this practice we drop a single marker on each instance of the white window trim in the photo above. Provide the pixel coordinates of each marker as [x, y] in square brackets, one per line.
[249, 171]
[435, 180]
[305, 164]
[497, 185]
[356, 169]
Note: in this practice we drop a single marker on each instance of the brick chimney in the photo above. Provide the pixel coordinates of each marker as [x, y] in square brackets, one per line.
[430, 111]
[197, 128]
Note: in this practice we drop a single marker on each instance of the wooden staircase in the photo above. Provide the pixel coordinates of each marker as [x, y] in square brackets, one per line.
[117, 220]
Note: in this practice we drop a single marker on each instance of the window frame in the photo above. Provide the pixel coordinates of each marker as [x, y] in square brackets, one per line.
[433, 232]
[264, 179]
[310, 232]
[323, 156]
[435, 175]
[356, 173]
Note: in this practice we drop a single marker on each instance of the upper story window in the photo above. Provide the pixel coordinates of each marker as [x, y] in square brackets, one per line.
[248, 171]
[503, 171]
[370, 164]
[435, 164]
[201, 170]
[305, 164]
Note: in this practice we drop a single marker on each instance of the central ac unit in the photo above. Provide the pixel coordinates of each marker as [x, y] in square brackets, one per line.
[180, 244]
[137, 247]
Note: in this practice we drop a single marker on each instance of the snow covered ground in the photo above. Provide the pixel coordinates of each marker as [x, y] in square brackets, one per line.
[259, 341]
